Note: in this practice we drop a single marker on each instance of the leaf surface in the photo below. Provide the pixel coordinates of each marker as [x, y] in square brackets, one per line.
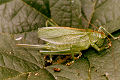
[20, 20]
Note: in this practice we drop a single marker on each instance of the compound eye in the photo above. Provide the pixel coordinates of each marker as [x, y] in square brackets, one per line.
[101, 36]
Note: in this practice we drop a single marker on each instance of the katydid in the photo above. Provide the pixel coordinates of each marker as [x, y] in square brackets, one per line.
[66, 40]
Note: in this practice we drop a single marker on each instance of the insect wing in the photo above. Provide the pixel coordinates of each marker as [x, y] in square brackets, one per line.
[61, 35]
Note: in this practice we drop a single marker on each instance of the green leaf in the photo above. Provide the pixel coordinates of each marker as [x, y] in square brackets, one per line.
[4, 1]
[18, 17]
[76, 13]
[95, 65]
[15, 61]
[66, 12]
[106, 63]
[77, 71]
[38, 75]
[107, 13]
[7, 72]
[40, 5]
[20, 20]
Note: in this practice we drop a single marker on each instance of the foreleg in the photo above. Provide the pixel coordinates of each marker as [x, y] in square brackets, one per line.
[108, 33]
[97, 48]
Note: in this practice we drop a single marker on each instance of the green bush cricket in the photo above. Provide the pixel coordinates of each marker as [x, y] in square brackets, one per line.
[66, 40]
